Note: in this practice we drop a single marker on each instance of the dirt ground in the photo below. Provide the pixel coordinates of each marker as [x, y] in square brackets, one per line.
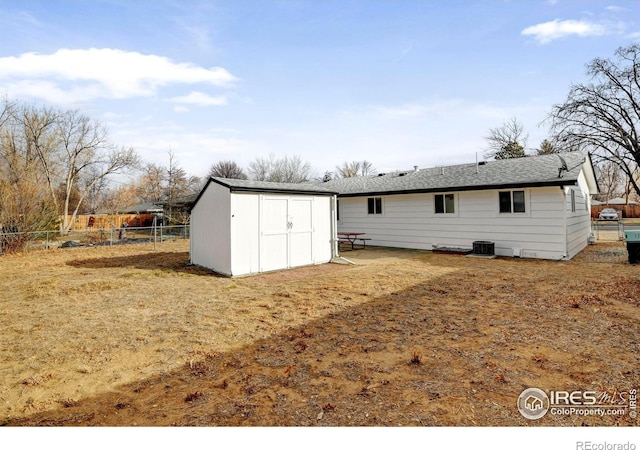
[130, 337]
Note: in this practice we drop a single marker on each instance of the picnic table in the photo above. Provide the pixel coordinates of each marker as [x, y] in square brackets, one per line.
[350, 238]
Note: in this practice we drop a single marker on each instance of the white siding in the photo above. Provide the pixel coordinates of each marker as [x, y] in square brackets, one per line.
[211, 230]
[578, 221]
[228, 231]
[409, 221]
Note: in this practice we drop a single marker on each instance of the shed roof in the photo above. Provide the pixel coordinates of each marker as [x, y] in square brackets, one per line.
[533, 171]
[270, 187]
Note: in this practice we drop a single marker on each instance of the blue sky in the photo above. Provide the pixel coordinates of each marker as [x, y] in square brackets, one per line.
[399, 83]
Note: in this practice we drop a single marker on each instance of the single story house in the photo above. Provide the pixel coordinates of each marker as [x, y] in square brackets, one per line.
[531, 207]
[241, 227]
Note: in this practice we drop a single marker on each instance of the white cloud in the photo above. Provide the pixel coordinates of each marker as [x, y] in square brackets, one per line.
[72, 76]
[448, 109]
[556, 29]
[201, 99]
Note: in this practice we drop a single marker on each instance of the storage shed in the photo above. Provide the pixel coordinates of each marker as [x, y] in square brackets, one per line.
[241, 227]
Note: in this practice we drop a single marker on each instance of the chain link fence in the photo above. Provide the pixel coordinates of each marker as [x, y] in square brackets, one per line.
[38, 240]
[608, 230]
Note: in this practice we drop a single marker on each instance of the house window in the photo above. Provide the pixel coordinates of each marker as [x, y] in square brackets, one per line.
[374, 205]
[445, 203]
[512, 201]
[573, 200]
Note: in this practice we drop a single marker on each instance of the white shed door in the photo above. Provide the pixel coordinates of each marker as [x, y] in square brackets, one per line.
[286, 239]
[274, 240]
[300, 232]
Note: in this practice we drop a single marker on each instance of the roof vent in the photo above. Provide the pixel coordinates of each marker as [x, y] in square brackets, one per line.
[482, 163]
[415, 168]
[381, 174]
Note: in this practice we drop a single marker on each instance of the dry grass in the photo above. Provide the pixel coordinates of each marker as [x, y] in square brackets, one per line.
[126, 336]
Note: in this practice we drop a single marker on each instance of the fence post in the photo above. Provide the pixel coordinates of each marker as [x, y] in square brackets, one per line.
[620, 230]
[46, 245]
[111, 237]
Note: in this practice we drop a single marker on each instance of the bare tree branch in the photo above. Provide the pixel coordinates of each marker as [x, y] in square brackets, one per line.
[227, 169]
[507, 141]
[603, 116]
[355, 169]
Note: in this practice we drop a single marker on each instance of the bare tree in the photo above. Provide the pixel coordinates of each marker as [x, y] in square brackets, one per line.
[177, 180]
[159, 183]
[114, 200]
[260, 168]
[291, 169]
[194, 184]
[603, 116]
[85, 156]
[227, 169]
[630, 181]
[610, 179]
[507, 141]
[151, 186]
[288, 169]
[24, 205]
[355, 169]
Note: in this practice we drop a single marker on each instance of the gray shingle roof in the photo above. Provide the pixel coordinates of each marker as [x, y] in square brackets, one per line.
[507, 173]
[269, 186]
[148, 207]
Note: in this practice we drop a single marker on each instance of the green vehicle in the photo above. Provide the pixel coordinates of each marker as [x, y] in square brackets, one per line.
[633, 245]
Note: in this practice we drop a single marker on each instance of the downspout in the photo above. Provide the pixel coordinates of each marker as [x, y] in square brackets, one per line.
[566, 231]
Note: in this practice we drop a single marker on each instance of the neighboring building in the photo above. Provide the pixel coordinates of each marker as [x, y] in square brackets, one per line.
[531, 207]
[177, 211]
[621, 201]
[241, 227]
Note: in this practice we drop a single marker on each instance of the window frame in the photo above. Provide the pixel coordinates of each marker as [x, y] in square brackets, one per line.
[444, 204]
[378, 206]
[515, 206]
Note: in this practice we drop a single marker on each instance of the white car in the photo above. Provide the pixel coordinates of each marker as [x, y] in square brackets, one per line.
[608, 214]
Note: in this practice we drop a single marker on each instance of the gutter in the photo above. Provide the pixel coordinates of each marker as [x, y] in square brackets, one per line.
[461, 188]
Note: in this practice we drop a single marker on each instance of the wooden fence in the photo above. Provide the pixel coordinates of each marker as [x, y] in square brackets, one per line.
[107, 221]
[628, 211]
